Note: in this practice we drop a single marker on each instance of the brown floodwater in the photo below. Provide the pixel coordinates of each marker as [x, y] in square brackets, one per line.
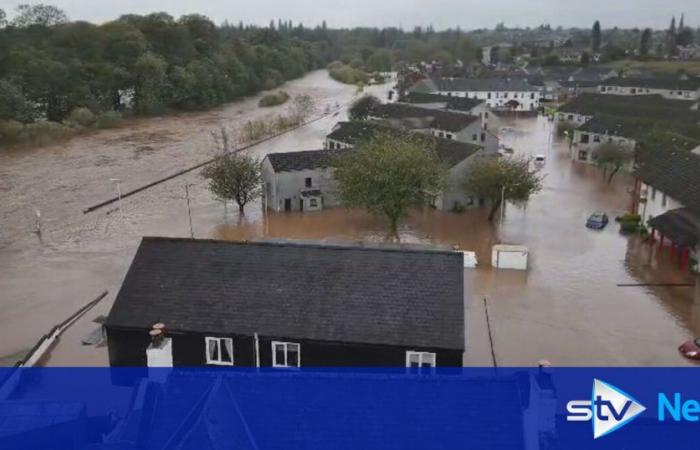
[566, 308]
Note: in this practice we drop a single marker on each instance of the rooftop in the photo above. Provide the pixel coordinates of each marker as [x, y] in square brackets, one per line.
[449, 151]
[485, 84]
[642, 106]
[370, 295]
[442, 120]
[303, 160]
[691, 84]
[451, 103]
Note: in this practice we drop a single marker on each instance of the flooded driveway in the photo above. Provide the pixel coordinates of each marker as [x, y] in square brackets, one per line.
[567, 308]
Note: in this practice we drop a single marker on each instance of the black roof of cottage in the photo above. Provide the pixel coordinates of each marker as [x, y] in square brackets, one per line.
[438, 119]
[366, 295]
[674, 172]
[642, 106]
[483, 84]
[691, 84]
[303, 160]
[615, 126]
[450, 152]
[451, 103]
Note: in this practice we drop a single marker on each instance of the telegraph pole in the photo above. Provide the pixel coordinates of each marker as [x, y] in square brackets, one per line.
[189, 210]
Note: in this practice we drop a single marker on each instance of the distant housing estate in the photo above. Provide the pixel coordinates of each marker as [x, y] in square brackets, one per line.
[670, 88]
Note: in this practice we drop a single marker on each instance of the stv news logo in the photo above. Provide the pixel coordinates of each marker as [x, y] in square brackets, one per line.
[610, 408]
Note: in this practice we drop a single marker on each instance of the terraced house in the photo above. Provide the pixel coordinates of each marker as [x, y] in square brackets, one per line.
[502, 94]
[671, 88]
[472, 106]
[443, 124]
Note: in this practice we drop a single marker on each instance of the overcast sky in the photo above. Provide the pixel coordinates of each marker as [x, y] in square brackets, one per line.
[468, 14]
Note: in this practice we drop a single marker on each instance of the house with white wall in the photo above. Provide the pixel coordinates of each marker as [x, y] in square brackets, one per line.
[602, 130]
[439, 123]
[456, 157]
[667, 197]
[669, 88]
[503, 94]
[299, 181]
[463, 105]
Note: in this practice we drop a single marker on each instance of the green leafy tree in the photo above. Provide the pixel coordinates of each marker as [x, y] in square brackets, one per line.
[3, 18]
[39, 14]
[236, 177]
[611, 158]
[497, 179]
[645, 43]
[150, 83]
[13, 104]
[389, 175]
[380, 61]
[360, 108]
[596, 37]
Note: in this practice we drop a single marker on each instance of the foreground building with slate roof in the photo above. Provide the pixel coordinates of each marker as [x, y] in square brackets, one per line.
[472, 106]
[287, 305]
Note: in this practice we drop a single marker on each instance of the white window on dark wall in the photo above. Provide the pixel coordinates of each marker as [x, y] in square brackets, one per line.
[420, 359]
[219, 351]
[286, 354]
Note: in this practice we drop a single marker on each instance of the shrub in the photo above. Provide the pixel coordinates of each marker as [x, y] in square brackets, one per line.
[81, 117]
[630, 217]
[10, 131]
[44, 133]
[629, 227]
[274, 99]
[349, 75]
[567, 127]
[109, 119]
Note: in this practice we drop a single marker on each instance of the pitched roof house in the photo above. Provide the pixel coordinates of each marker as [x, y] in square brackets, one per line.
[287, 305]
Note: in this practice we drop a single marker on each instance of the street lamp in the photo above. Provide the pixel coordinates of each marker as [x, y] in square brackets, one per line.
[119, 193]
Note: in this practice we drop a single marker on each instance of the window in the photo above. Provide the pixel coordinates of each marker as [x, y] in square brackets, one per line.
[313, 203]
[474, 137]
[219, 351]
[420, 359]
[584, 138]
[286, 354]
[653, 194]
[532, 96]
[307, 182]
[483, 137]
[489, 95]
[596, 138]
[448, 135]
[583, 155]
[663, 201]
[486, 115]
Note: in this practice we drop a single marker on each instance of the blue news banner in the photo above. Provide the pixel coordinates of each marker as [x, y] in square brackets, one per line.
[511, 408]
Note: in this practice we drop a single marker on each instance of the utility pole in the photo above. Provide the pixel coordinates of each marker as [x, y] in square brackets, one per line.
[189, 210]
[488, 326]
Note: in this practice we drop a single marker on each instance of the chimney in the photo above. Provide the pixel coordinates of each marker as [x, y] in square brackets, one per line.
[160, 352]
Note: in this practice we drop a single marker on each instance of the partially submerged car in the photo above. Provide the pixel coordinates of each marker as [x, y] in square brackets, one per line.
[597, 221]
[690, 349]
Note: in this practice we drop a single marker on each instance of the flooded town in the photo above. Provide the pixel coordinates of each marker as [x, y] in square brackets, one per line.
[349, 226]
[587, 298]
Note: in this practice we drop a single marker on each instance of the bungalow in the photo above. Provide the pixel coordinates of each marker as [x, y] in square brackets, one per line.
[667, 197]
[439, 123]
[456, 156]
[187, 302]
[603, 130]
[503, 94]
[670, 88]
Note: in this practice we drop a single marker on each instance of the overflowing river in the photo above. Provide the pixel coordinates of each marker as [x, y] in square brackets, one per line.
[567, 308]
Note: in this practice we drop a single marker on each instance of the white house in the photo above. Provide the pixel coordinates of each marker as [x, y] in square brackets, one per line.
[602, 130]
[670, 88]
[463, 105]
[455, 155]
[439, 123]
[504, 94]
[667, 197]
[299, 181]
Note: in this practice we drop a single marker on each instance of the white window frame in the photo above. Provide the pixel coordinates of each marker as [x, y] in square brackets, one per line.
[218, 341]
[286, 345]
[421, 356]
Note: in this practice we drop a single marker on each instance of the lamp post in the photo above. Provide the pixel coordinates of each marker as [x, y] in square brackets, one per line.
[189, 210]
[118, 181]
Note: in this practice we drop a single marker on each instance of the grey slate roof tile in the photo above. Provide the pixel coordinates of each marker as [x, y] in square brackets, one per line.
[366, 295]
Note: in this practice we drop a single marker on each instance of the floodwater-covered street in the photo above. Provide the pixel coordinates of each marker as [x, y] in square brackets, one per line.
[567, 308]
